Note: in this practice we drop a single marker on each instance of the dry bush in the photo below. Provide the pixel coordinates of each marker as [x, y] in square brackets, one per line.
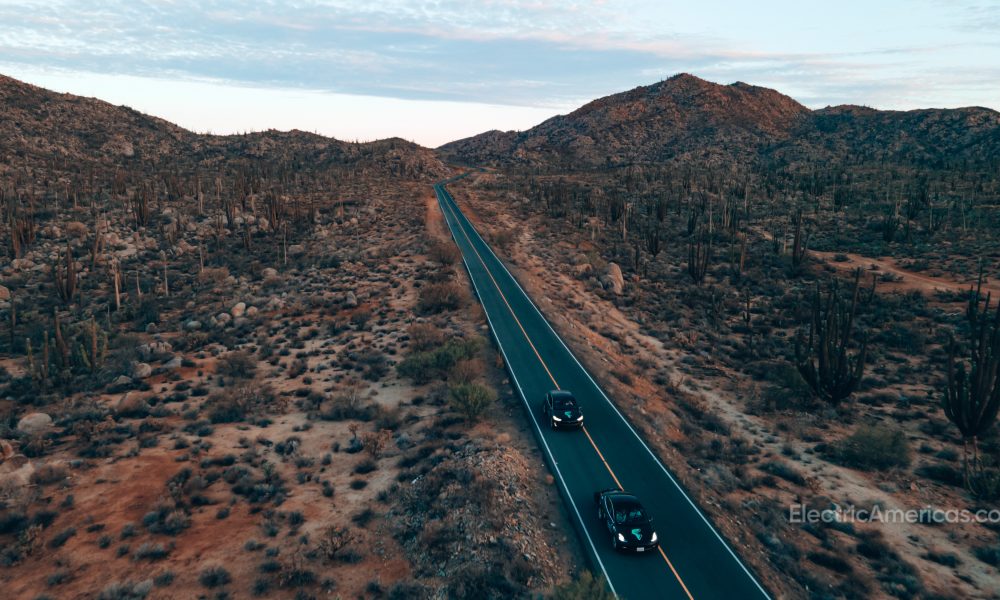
[375, 442]
[238, 365]
[471, 399]
[424, 336]
[76, 229]
[48, 473]
[334, 539]
[873, 447]
[233, 404]
[444, 252]
[466, 371]
[439, 297]
[215, 275]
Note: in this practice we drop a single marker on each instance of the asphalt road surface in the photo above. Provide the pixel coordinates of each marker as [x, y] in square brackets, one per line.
[693, 562]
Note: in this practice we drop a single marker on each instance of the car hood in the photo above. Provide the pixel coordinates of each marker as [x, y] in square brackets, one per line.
[636, 533]
[570, 414]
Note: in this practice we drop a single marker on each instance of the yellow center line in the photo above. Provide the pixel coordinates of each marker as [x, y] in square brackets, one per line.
[597, 450]
[674, 571]
[554, 382]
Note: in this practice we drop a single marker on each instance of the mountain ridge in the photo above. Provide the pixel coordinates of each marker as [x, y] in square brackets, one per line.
[687, 118]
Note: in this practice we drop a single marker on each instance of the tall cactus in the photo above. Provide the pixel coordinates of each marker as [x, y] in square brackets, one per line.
[699, 255]
[64, 274]
[824, 362]
[972, 395]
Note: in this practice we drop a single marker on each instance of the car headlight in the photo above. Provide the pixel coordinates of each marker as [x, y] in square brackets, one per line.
[555, 418]
[580, 418]
[621, 538]
[653, 539]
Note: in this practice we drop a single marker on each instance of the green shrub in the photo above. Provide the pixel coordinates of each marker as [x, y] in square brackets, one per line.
[424, 367]
[873, 447]
[471, 399]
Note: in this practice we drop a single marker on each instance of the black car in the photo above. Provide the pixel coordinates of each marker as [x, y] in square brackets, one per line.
[628, 524]
[562, 409]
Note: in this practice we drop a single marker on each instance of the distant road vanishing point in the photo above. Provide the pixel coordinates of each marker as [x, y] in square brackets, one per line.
[693, 562]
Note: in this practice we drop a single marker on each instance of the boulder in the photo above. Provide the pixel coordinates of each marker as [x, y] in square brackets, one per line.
[173, 363]
[192, 325]
[296, 250]
[252, 311]
[4, 293]
[238, 310]
[269, 273]
[132, 405]
[222, 319]
[34, 423]
[614, 279]
[350, 300]
[141, 370]
[122, 381]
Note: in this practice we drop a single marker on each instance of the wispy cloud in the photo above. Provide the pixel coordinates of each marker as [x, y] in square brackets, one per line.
[522, 52]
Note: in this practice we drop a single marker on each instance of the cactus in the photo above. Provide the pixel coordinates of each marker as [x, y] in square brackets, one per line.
[64, 274]
[972, 392]
[699, 255]
[824, 362]
[93, 355]
[800, 244]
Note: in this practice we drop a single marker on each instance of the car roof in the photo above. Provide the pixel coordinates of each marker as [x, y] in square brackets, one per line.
[561, 394]
[620, 496]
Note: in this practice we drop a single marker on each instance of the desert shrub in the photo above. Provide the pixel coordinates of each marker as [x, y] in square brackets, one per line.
[213, 275]
[375, 365]
[348, 406]
[164, 579]
[233, 404]
[784, 471]
[466, 371]
[872, 447]
[830, 561]
[62, 537]
[214, 577]
[238, 365]
[150, 551]
[439, 297]
[126, 591]
[166, 520]
[48, 473]
[584, 587]
[444, 252]
[988, 554]
[424, 336]
[424, 367]
[148, 311]
[471, 399]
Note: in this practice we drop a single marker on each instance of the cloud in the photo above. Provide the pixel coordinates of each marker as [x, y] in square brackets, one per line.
[517, 52]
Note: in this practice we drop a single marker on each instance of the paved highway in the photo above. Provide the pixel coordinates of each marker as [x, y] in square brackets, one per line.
[693, 563]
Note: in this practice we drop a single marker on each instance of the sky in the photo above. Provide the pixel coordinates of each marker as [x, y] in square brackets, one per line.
[441, 70]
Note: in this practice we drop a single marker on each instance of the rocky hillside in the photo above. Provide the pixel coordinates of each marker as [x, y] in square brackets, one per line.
[41, 128]
[685, 118]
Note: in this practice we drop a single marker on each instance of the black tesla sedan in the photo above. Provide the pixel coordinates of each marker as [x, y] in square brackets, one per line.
[628, 524]
[562, 410]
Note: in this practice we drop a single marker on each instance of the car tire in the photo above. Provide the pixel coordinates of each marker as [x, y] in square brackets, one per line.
[614, 541]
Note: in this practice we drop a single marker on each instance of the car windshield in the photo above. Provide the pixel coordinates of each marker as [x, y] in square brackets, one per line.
[629, 512]
[565, 402]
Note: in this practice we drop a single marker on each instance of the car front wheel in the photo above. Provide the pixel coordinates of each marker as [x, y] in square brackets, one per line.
[614, 541]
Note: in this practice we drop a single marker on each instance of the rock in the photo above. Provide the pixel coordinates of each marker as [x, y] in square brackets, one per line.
[222, 319]
[252, 311]
[6, 451]
[350, 300]
[582, 270]
[4, 293]
[132, 405]
[152, 328]
[614, 279]
[239, 310]
[141, 370]
[192, 325]
[173, 363]
[296, 249]
[34, 423]
[122, 381]
[263, 223]
[268, 273]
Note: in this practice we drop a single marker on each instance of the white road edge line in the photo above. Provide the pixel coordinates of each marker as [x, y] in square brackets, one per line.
[620, 415]
[531, 413]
